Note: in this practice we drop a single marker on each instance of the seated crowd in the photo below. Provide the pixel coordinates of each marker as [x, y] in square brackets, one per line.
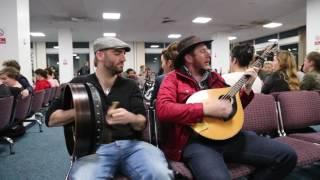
[186, 70]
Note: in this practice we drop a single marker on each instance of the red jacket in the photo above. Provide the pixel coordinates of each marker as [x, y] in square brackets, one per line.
[176, 115]
[41, 84]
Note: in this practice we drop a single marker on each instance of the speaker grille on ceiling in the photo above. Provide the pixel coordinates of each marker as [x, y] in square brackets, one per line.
[167, 20]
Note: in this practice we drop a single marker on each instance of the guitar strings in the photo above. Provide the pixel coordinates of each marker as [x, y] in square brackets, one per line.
[238, 85]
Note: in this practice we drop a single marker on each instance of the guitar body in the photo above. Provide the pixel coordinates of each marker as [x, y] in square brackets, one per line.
[214, 128]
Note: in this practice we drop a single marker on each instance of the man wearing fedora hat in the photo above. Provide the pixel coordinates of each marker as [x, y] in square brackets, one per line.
[206, 157]
[126, 152]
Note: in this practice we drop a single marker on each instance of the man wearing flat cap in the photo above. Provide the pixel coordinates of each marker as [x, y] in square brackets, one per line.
[204, 156]
[124, 152]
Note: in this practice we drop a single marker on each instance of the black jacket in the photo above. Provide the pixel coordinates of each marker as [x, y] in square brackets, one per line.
[125, 91]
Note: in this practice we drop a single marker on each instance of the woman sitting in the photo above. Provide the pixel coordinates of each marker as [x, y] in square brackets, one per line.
[284, 77]
[41, 80]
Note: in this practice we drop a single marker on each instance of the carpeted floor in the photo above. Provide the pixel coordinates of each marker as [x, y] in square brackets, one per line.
[43, 156]
[38, 156]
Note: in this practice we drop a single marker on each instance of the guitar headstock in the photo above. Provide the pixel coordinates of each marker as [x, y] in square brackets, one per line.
[268, 51]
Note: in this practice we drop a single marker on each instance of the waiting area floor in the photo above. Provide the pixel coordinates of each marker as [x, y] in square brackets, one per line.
[43, 156]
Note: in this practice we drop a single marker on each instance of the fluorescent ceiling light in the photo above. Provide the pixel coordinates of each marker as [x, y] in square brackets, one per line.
[272, 25]
[56, 47]
[110, 34]
[232, 38]
[201, 20]
[154, 46]
[174, 36]
[273, 40]
[111, 15]
[75, 55]
[37, 34]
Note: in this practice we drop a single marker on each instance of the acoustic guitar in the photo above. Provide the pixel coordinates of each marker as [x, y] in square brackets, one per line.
[221, 129]
[82, 135]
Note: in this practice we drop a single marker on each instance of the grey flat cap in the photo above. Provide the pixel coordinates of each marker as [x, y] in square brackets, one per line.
[109, 43]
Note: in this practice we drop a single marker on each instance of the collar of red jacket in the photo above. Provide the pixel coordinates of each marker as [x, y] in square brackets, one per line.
[208, 76]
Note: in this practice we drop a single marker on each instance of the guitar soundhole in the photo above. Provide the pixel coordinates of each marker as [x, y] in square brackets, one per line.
[228, 98]
[234, 105]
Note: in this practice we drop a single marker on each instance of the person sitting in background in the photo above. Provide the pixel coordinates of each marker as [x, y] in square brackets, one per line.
[311, 80]
[284, 77]
[84, 70]
[8, 76]
[41, 80]
[240, 58]
[51, 79]
[131, 74]
[168, 56]
[266, 70]
[27, 88]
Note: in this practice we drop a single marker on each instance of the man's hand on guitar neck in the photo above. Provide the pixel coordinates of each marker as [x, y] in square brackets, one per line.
[218, 109]
[251, 74]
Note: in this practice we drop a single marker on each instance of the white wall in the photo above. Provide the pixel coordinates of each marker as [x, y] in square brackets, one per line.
[220, 52]
[24, 55]
[15, 23]
[313, 25]
[140, 55]
[40, 55]
[134, 59]
[9, 25]
[130, 57]
[281, 42]
[66, 72]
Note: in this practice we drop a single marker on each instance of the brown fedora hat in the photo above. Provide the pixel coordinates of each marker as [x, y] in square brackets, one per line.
[186, 45]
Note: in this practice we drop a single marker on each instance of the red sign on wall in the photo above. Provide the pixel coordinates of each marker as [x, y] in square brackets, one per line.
[2, 40]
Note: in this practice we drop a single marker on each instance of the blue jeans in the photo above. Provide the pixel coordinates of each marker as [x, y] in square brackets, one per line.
[206, 158]
[136, 159]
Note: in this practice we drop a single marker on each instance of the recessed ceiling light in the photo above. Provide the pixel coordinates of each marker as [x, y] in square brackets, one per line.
[201, 20]
[174, 36]
[232, 38]
[110, 34]
[37, 34]
[273, 40]
[154, 46]
[272, 25]
[111, 15]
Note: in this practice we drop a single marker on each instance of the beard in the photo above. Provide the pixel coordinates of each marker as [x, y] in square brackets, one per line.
[113, 70]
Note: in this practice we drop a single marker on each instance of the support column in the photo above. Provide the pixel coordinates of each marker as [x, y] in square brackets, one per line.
[66, 72]
[15, 34]
[40, 55]
[140, 55]
[220, 53]
[91, 58]
[313, 26]
[129, 57]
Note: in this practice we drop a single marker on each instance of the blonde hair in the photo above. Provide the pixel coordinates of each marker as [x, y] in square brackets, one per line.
[288, 69]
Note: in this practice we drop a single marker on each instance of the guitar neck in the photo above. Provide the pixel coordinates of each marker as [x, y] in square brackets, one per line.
[258, 63]
[237, 86]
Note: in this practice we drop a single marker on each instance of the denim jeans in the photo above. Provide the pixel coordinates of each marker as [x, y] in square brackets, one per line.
[206, 158]
[136, 159]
